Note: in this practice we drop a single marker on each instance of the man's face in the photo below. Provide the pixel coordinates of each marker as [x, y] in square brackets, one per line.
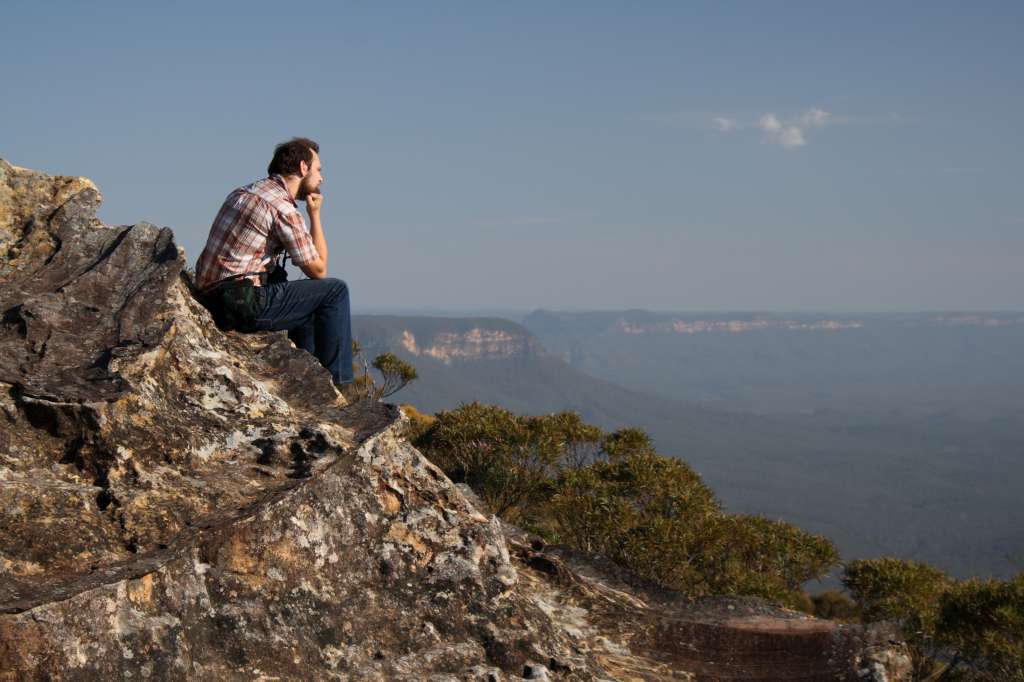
[311, 180]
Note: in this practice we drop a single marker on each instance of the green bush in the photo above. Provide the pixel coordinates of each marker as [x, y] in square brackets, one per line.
[419, 423]
[957, 630]
[508, 461]
[982, 622]
[905, 592]
[766, 557]
[645, 512]
[614, 495]
[395, 374]
[898, 590]
[579, 443]
[626, 443]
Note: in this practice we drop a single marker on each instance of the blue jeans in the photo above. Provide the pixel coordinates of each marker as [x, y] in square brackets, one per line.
[316, 314]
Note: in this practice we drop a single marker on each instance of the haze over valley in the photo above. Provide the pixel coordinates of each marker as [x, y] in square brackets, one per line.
[896, 434]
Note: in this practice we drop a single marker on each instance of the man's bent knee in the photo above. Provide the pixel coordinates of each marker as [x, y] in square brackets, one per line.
[338, 286]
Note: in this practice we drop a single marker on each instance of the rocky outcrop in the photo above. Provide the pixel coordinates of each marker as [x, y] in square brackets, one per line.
[184, 503]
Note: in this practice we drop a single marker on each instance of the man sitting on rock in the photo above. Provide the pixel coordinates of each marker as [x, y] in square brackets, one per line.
[245, 290]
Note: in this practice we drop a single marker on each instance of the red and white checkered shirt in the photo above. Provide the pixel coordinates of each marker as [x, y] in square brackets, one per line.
[255, 224]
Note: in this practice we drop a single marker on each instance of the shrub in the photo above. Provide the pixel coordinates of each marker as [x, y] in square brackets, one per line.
[395, 373]
[614, 495]
[982, 622]
[579, 443]
[765, 557]
[509, 461]
[906, 592]
[419, 423]
[645, 512]
[627, 442]
[896, 589]
[957, 630]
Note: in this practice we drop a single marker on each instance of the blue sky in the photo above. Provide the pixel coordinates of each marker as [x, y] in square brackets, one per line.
[598, 155]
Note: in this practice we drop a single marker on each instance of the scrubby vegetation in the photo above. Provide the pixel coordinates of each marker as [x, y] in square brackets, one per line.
[956, 629]
[394, 372]
[613, 494]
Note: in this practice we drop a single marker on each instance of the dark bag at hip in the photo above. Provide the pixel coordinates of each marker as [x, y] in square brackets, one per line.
[235, 304]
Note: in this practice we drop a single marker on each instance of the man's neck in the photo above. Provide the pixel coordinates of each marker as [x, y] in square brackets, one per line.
[292, 183]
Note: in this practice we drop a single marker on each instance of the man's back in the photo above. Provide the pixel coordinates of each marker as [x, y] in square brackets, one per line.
[254, 224]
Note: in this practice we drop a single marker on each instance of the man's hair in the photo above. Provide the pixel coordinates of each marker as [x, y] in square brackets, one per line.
[288, 155]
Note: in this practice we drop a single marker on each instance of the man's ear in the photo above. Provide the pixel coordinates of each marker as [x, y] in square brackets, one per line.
[303, 169]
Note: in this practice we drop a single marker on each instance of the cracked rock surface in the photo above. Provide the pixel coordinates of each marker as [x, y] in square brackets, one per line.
[182, 503]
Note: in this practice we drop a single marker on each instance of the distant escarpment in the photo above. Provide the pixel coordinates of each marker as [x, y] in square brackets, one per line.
[180, 503]
[448, 339]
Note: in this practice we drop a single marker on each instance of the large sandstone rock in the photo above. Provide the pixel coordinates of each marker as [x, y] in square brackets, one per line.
[181, 503]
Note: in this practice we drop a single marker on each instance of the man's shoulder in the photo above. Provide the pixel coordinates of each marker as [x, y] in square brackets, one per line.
[273, 191]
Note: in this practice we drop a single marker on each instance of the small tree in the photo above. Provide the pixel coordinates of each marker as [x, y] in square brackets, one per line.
[395, 372]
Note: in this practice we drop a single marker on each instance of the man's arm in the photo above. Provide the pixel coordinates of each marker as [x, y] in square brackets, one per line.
[316, 269]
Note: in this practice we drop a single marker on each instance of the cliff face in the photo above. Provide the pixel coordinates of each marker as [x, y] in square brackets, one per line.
[447, 339]
[181, 503]
[474, 344]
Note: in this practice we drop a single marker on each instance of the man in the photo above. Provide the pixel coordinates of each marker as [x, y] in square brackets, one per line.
[255, 225]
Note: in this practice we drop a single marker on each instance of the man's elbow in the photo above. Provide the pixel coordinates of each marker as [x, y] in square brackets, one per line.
[316, 269]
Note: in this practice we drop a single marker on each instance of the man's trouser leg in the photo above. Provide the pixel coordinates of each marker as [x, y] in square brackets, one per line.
[320, 306]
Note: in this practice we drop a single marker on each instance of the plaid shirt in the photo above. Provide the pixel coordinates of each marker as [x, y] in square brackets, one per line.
[255, 224]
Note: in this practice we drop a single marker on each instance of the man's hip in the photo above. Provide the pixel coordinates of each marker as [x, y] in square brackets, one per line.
[242, 306]
[234, 304]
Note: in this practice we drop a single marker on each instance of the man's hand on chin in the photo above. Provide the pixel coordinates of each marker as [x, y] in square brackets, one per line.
[313, 203]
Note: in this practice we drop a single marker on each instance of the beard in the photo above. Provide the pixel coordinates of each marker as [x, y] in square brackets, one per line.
[305, 190]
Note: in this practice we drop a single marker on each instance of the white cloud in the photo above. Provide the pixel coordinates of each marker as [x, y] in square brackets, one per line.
[769, 123]
[790, 134]
[725, 125]
[791, 137]
[814, 118]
